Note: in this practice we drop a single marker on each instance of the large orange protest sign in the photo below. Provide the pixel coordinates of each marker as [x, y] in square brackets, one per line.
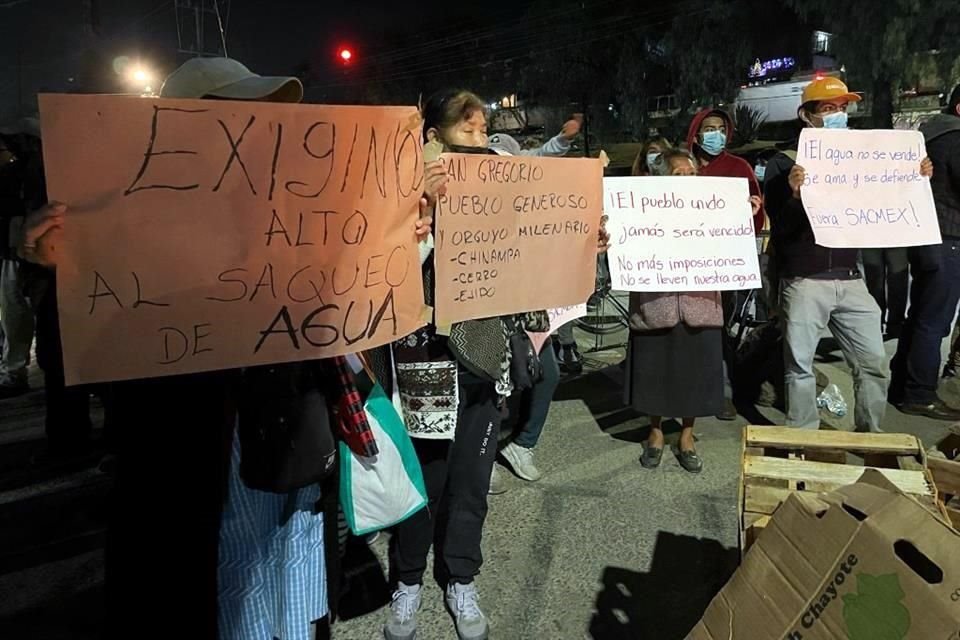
[516, 234]
[205, 235]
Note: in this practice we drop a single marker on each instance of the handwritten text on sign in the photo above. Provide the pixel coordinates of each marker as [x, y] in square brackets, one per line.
[681, 234]
[208, 235]
[562, 315]
[863, 189]
[515, 234]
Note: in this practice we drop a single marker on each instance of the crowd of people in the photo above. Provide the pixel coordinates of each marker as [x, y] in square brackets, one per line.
[261, 549]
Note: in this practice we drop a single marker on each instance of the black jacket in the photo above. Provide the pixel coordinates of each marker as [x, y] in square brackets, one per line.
[794, 248]
[22, 185]
[942, 136]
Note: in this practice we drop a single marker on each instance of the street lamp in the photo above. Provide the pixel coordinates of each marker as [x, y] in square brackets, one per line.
[139, 77]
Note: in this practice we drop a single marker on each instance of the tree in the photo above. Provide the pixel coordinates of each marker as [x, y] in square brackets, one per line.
[710, 51]
[878, 42]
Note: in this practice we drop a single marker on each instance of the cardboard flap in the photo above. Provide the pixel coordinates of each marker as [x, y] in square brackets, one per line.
[870, 495]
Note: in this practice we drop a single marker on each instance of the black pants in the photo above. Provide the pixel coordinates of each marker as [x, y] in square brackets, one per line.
[457, 476]
[68, 408]
[173, 440]
[915, 369]
[888, 280]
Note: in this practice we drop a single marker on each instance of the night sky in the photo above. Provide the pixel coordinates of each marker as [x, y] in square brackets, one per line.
[46, 43]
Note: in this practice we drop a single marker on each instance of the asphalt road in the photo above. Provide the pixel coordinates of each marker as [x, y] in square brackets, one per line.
[599, 548]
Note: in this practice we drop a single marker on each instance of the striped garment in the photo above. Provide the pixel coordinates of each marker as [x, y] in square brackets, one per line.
[351, 416]
[271, 574]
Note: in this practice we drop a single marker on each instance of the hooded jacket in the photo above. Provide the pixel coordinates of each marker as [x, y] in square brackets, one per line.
[725, 165]
[942, 136]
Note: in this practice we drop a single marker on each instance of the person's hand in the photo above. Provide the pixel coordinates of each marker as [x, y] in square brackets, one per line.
[755, 202]
[926, 167]
[434, 181]
[603, 236]
[425, 223]
[796, 178]
[571, 128]
[41, 234]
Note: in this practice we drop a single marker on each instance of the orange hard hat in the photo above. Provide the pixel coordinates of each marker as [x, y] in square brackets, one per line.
[828, 88]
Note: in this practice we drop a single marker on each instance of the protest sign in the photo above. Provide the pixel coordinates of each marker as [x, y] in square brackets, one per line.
[863, 189]
[515, 234]
[205, 235]
[562, 315]
[558, 317]
[681, 234]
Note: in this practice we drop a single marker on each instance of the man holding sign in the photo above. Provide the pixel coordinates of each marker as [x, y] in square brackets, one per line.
[822, 287]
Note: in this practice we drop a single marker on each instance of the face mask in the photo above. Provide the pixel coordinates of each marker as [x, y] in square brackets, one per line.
[836, 120]
[714, 142]
[652, 159]
[456, 148]
[759, 170]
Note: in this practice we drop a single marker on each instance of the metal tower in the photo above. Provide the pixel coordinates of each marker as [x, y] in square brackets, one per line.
[202, 27]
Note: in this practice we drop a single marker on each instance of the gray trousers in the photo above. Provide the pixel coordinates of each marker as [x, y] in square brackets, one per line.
[16, 315]
[853, 317]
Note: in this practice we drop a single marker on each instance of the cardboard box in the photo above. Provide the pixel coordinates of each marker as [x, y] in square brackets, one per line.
[865, 562]
[945, 468]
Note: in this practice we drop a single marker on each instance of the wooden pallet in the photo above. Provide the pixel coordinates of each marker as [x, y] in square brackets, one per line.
[778, 461]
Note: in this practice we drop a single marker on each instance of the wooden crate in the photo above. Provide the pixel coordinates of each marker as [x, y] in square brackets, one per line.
[946, 474]
[780, 460]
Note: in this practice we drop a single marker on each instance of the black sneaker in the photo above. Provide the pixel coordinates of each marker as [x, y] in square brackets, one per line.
[572, 360]
[13, 388]
[937, 410]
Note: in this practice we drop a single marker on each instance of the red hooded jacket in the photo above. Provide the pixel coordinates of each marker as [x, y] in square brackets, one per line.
[725, 165]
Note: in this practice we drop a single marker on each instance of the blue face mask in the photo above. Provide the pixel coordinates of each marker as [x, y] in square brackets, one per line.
[759, 170]
[714, 142]
[652, 159]
[836, 120]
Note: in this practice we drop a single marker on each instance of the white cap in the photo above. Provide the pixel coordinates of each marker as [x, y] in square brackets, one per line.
[503, 142]
[227, 78]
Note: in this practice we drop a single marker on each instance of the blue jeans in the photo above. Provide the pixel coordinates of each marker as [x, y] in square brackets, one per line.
[536, 401]
[933, 305]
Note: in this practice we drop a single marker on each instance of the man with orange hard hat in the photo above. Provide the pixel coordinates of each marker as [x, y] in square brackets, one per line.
[820, 287]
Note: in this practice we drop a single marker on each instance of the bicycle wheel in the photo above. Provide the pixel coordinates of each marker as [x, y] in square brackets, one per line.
[603, 321]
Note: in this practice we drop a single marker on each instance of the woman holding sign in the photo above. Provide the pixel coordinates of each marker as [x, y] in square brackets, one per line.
[675, 355]
[452, 383]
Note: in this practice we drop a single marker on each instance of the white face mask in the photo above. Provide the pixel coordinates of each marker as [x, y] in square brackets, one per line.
[652, 160]
[759, 170]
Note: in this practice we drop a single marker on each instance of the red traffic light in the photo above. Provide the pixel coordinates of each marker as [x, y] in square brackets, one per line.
[346, 55]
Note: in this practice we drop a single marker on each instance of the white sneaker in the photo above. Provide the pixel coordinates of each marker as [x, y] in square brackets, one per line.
[402, 617]
[463, 602]
[521, 461]
[497, 483]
